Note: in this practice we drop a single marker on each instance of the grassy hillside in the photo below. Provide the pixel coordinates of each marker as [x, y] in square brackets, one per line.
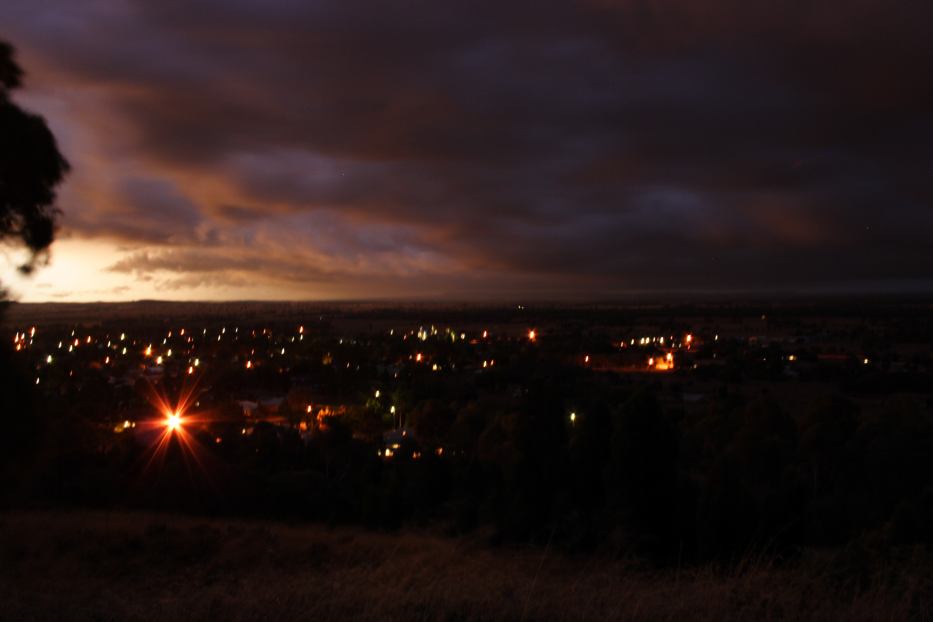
[116, 566]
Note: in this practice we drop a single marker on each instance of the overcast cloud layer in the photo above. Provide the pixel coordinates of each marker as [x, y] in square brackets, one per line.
[357, 149]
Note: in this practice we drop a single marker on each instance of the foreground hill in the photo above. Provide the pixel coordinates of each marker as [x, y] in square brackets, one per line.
[116, 566]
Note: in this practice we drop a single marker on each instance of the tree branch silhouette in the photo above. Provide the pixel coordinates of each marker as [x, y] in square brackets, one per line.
[31, 167]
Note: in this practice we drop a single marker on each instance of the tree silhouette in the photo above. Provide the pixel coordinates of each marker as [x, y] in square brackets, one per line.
[30, 168]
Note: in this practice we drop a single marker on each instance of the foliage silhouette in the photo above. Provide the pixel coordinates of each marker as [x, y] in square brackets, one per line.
[31, 167]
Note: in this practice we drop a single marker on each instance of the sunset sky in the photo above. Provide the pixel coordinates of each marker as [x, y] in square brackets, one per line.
[341, 149]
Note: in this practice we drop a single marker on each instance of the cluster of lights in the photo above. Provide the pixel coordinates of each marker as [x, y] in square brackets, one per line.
[173, 420]
[19, 340]
[123, 427]
[157, 352]
[665, 363]
[661, 340]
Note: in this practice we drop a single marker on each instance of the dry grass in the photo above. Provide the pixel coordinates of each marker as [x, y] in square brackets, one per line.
[109, 566]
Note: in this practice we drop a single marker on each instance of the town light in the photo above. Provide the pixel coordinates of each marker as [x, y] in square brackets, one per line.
[173, 421]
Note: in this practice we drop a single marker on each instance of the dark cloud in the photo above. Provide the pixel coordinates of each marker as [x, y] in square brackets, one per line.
[615, 144]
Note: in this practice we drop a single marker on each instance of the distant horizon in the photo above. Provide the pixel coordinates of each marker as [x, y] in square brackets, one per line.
[666, 297]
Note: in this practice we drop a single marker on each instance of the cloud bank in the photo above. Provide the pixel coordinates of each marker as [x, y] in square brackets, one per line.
[358, 149]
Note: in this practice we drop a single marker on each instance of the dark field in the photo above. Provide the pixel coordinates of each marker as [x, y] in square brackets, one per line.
[121, 566]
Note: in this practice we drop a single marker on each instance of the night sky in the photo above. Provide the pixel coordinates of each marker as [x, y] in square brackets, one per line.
[482, 150]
